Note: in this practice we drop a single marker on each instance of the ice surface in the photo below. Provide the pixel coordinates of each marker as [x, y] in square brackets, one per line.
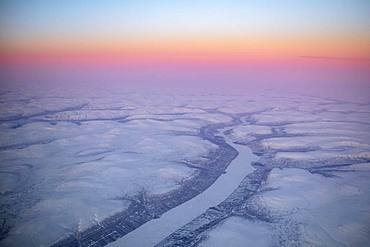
[154, 231]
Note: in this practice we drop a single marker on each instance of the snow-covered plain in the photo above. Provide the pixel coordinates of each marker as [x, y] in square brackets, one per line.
[63, 170]
[319, 211]
[317, 193]
[68, 162]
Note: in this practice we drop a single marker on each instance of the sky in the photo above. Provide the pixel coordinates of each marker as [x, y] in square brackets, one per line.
[338, 28]
[183, 36]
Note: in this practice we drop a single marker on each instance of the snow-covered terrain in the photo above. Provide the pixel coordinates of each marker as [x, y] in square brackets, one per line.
[315, 153]
[63, 170]
[107, 162]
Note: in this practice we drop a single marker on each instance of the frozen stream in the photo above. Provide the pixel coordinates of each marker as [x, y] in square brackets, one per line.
[155, 230]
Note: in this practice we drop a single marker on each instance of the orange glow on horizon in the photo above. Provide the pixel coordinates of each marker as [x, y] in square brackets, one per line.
[203, 48]
[236, 52]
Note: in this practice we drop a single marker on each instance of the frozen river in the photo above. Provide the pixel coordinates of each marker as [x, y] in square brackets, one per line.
[85, 171]
[155, 230]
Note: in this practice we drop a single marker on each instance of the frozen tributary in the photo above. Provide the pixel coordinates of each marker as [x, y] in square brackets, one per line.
[155, 230]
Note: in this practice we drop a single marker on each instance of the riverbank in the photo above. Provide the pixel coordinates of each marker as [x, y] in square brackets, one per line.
[144, 208]
[154, 231]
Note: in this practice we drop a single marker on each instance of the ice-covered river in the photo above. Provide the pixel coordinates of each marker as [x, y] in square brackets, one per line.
[155, 230]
